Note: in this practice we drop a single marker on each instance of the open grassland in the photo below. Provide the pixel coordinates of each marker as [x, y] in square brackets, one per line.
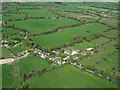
[81, 46]
[12, 74]
[110, 65]
[100, 41]
[111, 34]
[108, 48]
[65, 36]
[69, 77]
[39, 25]
[6, 53]
[10, 32]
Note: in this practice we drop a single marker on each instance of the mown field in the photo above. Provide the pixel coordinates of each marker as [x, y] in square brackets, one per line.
[39, 25]
[65, 36]
[12, 74]
[69, 77]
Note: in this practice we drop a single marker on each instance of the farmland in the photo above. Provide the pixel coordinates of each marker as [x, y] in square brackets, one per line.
[60, 45]
[63, 77]
[12, 74]
[59, 38]
[39, 25]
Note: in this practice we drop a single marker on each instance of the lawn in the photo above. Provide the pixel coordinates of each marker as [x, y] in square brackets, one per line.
[100, 41]
[12, 74]
[69, 77]
[6, 53]
[65, 36]
[111, 34]
[39, 25]
[81, 46]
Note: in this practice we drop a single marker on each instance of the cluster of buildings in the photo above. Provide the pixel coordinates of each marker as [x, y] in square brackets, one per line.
[39, 52]
[4, 43]
[60, 60]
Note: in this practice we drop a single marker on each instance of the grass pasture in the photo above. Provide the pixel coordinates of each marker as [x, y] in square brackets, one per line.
[39, 25]
[69, 77]
[65, 36]
[6, 53]
[13, 16]
[111, 34]
[12, 74]
[100, 41]
[110, 63]
[92, 60]
[81, 46]
[10, 32]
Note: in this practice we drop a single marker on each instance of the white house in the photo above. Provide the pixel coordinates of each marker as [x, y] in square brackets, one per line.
[74, 52]
[89, 49]
[67, 51]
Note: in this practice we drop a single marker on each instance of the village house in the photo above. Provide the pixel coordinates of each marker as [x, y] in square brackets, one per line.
[63, 62]
[74, 52]
[57, 60]
[24, 52]
[43, 54]
[6, 45]
[56, 52]
[67, 51]
[66, 58]
[117, 74]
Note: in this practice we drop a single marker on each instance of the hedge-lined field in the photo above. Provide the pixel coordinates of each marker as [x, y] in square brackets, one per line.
[10, 32]
[108, 49]
[6, 53]
[100, 41]
[13, 16]
[81, 46]
[38, 12]
[111, 34]
[65, 36]
[39, 25]
[110, 64]
[69, 77]
[12, 74]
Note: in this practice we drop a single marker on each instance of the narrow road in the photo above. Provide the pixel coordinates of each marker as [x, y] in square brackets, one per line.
[8, 60]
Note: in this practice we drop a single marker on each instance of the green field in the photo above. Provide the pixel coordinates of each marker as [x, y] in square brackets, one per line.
[65, 36]
[100, 41]
[39, 25]
[13, 16]
[110, 63]
[81, 46]
[6, 53]
[108, 48]
[9, 31]
[69, 77]
[111, 34]
[110, 21]
[38, 13]
[12, 74]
